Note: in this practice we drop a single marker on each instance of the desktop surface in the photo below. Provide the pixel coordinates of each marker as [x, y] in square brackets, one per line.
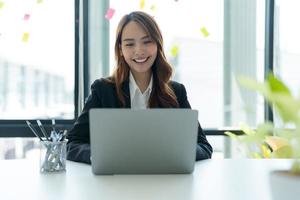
[212, 179]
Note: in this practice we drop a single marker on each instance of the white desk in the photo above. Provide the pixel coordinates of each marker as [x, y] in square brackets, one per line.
[212, 179]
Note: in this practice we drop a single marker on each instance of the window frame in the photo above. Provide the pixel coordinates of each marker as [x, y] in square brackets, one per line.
[19, 128]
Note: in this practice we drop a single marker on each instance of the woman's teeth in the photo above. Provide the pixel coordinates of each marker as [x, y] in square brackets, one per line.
[140, 60]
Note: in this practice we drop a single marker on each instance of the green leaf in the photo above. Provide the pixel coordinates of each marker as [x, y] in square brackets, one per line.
[283, 152]
[231, 135]
[277, 85]
[277, 93]
[296, 167]
[256, 155]
[280, 98]
[287, 134]
[246, 129]
[266, 152]
[287, 107]
[251, 84]
[252, 138]
[265, 129]
[275, 142]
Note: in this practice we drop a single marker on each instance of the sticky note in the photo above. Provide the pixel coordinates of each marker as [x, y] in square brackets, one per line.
[204, 32]
[142, 4]
[174, 50]
[110, 13]
[26, 17]
[25, 37]
[153, 8]
[39, 1]
[1, 4]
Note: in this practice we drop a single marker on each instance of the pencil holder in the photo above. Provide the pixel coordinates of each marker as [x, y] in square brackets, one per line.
[53, 156]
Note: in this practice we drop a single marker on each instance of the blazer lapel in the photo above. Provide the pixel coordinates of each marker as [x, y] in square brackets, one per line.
[126, 93]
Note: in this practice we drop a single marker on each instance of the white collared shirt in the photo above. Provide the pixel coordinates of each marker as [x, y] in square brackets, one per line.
[138, 99]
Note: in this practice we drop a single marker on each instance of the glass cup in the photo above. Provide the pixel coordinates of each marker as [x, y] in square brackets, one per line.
[53, 156]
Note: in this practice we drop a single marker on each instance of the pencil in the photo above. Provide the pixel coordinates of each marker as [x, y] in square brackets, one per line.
[33, 130]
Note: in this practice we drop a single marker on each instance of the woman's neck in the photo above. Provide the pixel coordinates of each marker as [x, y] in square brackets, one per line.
[142, 80]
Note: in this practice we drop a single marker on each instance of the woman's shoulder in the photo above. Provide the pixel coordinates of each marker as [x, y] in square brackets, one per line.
[106, 82]
[176, 86]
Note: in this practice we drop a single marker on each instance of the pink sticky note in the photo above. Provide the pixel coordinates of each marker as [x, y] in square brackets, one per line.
[109, 13]
[26, 17]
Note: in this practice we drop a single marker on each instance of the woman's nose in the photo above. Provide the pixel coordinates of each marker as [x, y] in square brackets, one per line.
[139, 49]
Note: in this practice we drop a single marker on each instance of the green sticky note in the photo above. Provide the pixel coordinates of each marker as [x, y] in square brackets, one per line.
[25, 37]
[153, 8]
[1, 4]
[174, 50]
[204, 32]
[39, 1]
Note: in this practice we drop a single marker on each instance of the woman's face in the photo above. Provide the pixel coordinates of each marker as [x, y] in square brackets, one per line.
[138, 49]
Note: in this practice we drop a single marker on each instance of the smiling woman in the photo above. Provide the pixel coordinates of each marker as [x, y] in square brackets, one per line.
[196, 57]
[139, 50]
[141, 80]
[139, 39]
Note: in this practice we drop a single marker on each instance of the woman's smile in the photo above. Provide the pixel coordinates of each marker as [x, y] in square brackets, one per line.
[140, 60]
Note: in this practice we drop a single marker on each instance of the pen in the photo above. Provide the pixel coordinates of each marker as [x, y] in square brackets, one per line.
[53, 125]
[33, 130]
[64, 135]
[42, 129]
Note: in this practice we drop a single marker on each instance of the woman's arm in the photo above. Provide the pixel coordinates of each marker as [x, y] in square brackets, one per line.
[204, 149]
[78, 147]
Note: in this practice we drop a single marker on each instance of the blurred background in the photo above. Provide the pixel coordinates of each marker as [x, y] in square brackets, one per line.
[51, 51]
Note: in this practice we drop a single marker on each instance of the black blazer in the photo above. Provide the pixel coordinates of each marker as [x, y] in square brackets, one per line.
[103, 95]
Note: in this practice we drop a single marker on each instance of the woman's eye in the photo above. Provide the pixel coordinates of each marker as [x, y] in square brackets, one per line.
[129, 44]
[148, 42]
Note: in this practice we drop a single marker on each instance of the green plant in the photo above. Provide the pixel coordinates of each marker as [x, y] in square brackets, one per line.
[270, 141]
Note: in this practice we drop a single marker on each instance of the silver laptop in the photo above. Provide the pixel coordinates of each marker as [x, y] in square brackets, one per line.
[151, 141]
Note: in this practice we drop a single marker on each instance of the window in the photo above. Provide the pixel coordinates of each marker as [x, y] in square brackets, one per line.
[193, 42]
[206, 62]
[209, 44]
[37, 69]
[286, 45]
[37, 59]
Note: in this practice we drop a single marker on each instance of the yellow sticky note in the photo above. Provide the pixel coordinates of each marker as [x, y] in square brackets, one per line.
[1, 4]
[174, 50]
[25, 37]
[39, 1]
[153, 8]
[142, 4]
[204, 32]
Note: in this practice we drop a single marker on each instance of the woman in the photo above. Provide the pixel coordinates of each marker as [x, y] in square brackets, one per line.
[141, 80]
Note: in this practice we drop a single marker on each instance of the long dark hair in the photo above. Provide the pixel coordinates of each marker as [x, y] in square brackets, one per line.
[162, 94]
